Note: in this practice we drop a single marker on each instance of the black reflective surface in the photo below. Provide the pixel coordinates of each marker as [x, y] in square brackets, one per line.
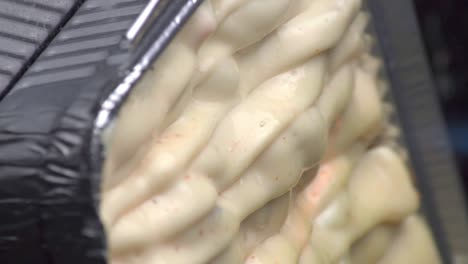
[444, 24]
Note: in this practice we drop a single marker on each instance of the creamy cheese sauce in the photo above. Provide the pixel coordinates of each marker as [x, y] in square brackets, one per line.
[261, 136]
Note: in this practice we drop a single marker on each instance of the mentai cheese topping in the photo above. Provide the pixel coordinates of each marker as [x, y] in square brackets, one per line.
[261, 136]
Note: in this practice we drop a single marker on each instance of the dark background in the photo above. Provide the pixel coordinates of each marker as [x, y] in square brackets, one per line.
[444, 25]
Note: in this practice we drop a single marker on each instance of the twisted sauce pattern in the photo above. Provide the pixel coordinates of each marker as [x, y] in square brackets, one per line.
[260, 136]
